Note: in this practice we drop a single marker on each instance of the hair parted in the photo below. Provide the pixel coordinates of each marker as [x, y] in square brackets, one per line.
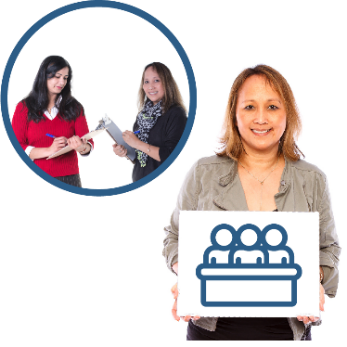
[172, 95]
[231, 140]
[37, 101]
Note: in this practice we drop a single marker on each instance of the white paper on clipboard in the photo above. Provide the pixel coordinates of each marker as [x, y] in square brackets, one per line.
[68, 148]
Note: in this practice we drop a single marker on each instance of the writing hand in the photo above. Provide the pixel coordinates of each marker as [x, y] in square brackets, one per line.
[57, 144]
[130, 138]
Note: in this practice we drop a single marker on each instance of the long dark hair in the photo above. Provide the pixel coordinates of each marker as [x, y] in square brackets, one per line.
[172, 95]
[37, 100]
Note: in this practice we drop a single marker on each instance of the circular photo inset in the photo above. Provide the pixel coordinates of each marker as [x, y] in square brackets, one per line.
[103, 105]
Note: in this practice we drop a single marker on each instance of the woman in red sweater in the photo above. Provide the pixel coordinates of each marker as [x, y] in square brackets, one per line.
[50, 109]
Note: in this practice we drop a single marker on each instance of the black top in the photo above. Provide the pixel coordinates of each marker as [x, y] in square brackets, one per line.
[243, 329]
[165, 134]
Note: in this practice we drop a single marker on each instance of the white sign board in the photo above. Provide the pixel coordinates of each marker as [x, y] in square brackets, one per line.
[248, 264]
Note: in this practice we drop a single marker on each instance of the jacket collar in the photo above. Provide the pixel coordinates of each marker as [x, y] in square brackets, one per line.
[232, 196]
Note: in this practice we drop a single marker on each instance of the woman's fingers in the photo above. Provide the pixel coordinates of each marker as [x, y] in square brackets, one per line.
[119, 150]
[307, 319]
[321, 297]
[61, 140]
[186, 318]
[313, 318]
[58, 144]
[115, 148]
[74, 142]
[125, 136]
[174, 311]
[174, 291]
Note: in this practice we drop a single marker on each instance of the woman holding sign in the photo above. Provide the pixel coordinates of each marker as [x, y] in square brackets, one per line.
[159, 124]
[258, 169]
[49, 119]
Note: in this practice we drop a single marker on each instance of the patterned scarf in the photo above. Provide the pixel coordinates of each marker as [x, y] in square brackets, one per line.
[146, 120]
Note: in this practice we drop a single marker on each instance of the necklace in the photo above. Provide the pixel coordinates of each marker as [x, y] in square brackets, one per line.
[262, 181]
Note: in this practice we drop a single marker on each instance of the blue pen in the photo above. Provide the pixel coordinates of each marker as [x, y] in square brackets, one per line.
[137, 132]
[53, 137]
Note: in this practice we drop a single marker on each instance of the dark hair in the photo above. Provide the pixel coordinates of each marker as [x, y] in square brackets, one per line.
[37, 100]
[172, 95]
[231, 140]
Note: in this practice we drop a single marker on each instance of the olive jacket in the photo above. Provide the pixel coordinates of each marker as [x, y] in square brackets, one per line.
[213, 184]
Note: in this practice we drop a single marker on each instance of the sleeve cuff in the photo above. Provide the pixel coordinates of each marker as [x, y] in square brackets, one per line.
[172, 261]
[28, 150]
[330, 279]
[87, 154]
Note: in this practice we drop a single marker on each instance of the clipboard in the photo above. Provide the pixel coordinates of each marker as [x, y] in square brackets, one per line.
[112, 129]
[67, 149]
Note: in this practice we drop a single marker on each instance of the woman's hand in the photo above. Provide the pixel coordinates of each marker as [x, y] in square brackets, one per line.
[174, 292]
[311, 319]
[131, 139]
[120, 150]
[76, 143]
[58, 143]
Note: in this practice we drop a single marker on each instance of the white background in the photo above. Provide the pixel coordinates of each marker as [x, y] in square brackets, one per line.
[195, 238]
[94, 276]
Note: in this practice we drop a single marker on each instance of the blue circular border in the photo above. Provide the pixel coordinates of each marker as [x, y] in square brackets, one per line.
[119, 6]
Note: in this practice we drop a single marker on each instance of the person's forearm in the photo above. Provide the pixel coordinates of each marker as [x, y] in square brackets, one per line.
[175, 268]
[151, 151]
[38, 153]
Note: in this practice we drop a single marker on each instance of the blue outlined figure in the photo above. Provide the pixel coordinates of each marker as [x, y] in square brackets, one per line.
[254, 265]
[218, 253]
[280, 253]
[245, 252]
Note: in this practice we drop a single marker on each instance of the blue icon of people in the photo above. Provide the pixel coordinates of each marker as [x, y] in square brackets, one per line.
[249, 256]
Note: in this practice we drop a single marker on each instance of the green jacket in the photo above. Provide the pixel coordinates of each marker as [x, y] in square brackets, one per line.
[213, 184]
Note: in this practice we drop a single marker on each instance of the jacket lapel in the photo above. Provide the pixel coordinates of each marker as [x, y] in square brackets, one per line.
[284, 199]
[231, 196]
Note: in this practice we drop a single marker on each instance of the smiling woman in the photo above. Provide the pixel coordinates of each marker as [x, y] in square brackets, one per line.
[258, 169]
[49, 118]
[160, 122]
[260, 114]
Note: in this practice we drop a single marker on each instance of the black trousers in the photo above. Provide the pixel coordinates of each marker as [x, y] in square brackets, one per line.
[73, 180]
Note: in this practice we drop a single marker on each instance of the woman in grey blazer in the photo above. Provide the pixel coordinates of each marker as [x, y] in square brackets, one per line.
[259, 169]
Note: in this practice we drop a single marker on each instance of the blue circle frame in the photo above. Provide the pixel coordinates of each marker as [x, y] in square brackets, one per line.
[106, 4]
